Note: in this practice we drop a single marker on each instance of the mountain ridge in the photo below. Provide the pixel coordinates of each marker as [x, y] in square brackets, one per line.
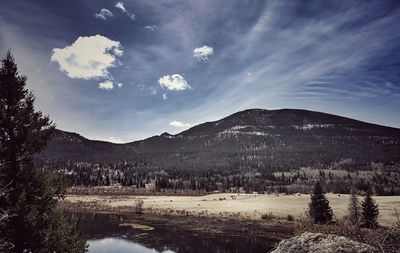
[165, 134]
[231, 115]
[292, 134]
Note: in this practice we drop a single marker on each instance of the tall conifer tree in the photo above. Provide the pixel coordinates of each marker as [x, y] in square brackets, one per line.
[354, 208]
[370, 210]
[32, 225]
[319, 209]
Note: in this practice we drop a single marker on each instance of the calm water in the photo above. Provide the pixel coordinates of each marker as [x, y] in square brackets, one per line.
[107, 233]
[117, 245]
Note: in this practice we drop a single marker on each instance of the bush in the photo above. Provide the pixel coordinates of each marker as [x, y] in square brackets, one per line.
[267, 216]
[139, 206]
[290, 217]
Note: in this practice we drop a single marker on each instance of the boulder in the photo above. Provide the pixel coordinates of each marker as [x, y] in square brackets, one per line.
[321, 243]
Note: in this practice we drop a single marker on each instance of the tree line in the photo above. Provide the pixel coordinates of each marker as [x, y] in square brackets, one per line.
[139, 173]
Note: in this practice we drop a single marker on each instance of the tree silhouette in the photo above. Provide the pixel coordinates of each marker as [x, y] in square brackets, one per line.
[32, 226]
[319, 209]
[354, 208]
[370, 210]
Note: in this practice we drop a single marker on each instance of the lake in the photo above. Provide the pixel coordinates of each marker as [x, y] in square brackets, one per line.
[118, 245]
[111, 233]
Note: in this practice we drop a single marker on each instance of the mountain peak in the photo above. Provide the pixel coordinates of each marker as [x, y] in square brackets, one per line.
[167, 135]
[267, 137]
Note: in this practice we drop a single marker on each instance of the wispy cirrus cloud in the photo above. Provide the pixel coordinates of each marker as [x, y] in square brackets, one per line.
[151, 27]
[153, 91]
[121, 7]
[335, 56]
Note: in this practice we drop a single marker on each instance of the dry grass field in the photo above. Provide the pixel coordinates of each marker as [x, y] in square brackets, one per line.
[250, 206]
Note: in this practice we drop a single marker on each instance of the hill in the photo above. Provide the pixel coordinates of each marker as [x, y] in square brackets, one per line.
[257, 137]
[279, 138]
[242, 144]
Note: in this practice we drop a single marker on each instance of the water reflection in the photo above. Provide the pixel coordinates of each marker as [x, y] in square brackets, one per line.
[117, 245]
[113, 233]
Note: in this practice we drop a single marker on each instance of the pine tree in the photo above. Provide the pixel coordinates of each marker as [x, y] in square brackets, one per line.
[31, 195]
[354, 208]
[4, 245]
[370, 211]
[319, 209]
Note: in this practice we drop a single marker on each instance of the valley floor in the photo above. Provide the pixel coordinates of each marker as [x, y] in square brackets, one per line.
[225, 205]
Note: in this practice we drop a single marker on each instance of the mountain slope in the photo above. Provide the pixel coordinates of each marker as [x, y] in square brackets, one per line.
[67, 146]
[277, 139]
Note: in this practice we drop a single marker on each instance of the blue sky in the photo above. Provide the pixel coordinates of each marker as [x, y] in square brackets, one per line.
[128, 70]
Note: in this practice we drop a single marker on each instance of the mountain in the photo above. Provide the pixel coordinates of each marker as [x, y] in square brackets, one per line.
[250, 139]
[66, 146]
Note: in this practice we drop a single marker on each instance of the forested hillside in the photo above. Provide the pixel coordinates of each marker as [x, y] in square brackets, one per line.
[245, 144]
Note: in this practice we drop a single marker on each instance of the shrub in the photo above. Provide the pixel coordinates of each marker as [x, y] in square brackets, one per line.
[139, 206]
[267, 216]
[290, 217]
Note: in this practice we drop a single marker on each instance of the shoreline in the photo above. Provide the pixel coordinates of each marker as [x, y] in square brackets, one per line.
[175, 232]
[233, 225]
[223, 205]
[165, 226]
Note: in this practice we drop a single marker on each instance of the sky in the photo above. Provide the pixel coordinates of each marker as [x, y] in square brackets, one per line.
[124, 71]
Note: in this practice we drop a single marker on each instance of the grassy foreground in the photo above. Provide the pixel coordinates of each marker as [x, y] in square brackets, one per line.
[247, 206]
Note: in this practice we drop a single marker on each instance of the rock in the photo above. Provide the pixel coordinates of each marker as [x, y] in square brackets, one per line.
[321, 243]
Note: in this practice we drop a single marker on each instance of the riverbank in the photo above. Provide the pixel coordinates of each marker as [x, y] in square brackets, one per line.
[222, 221]
[185, 233]
[224, 205]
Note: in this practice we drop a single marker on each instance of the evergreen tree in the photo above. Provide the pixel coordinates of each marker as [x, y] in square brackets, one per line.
[370, 210]
[354, 208]
[3, 218]
[319, 209]
[32, 225]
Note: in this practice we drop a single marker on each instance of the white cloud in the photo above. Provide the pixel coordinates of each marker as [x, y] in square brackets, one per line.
[151, 27]
[88, 57]
[110, 139]
[120, 5]
[131, 16]
[174, 82]
[202, 53]
[179, 124]
[153, 91]
[164, 96]
[106, 85]
[103, 14]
